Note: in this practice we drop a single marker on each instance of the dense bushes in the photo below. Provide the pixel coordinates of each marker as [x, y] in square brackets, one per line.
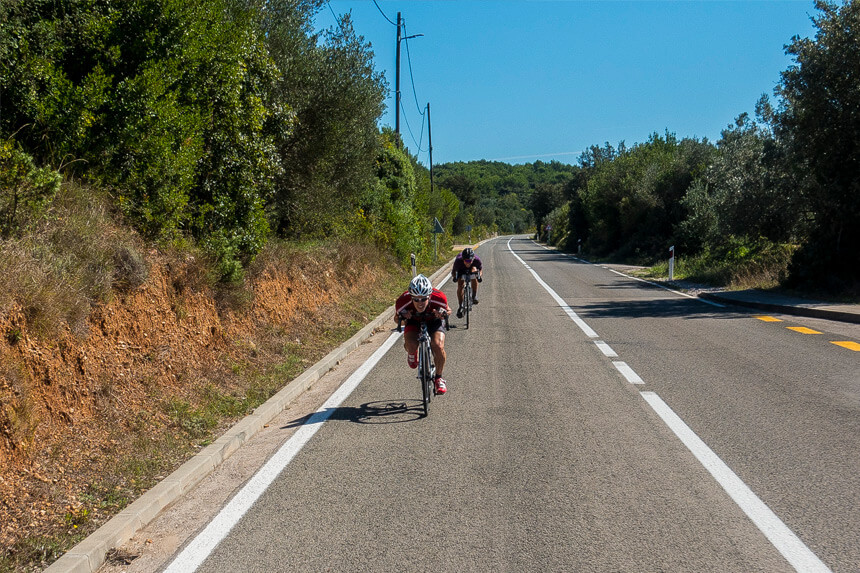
[210, 120]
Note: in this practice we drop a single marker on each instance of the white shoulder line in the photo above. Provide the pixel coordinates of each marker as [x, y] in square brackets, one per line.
[196, 552]
[704, 300]
[785, 541]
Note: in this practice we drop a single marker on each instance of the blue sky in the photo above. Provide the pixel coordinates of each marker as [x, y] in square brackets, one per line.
[518, 80]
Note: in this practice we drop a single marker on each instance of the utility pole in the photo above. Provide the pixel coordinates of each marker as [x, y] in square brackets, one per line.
[397, 87]
[397, 81]
[430, 145]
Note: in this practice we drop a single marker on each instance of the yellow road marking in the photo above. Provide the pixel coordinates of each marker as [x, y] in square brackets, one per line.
[769, 319]
[802, 330]
[847, 344]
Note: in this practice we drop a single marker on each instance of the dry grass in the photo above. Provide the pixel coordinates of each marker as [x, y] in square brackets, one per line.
[762, 267]
[71, 259]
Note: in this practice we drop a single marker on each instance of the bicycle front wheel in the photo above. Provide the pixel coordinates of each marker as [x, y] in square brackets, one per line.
[467, 303]
[425, 376]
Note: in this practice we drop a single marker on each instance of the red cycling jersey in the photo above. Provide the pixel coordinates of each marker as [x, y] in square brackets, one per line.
[438, 301]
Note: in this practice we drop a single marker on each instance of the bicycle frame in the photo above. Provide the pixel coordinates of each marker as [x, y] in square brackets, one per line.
[426, 368]
[467, 294]
[467, 300]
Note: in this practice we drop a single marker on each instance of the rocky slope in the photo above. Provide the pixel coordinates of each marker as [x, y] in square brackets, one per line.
[89, 420]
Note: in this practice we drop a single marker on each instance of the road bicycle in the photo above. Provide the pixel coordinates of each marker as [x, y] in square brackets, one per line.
[426, 367]
[467, 293]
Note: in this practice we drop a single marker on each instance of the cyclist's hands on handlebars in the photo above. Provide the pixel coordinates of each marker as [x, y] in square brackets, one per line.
[436, 313]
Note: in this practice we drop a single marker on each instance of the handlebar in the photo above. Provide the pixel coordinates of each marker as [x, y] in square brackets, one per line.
[422, 317]
[470, 276]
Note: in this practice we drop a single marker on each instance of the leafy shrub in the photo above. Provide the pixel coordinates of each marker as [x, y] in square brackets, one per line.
[25, 190]
[739, 263]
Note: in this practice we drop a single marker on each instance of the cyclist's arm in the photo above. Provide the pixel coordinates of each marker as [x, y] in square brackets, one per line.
[438, 310]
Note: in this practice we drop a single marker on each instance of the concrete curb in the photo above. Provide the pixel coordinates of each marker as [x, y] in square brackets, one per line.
[90, 554]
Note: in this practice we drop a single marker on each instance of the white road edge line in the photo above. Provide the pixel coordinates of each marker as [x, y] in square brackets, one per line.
[627, 372]
[196, 552]
[564, 306]
[704, 300]
[782, 538]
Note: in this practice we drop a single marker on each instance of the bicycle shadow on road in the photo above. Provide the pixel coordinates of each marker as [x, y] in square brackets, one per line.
[381, 412]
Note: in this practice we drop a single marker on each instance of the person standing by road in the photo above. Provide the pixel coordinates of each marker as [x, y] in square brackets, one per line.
[422, 302]
[467, 262]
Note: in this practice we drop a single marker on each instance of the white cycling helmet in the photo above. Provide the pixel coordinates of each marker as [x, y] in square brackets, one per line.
[420, 286]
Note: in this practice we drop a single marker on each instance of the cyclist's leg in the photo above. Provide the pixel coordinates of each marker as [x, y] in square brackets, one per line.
[410, 343]
[460, 286]
[437, 345]
[475, 290]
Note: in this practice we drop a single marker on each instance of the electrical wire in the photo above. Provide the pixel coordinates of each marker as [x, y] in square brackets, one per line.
[412, 135]
[383, 13]
[411, 76]
[336, 19]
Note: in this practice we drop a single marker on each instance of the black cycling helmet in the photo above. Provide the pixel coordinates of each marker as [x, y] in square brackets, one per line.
[468, 253]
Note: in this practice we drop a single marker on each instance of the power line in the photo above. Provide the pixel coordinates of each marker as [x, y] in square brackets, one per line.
[412, 135]
[411, 75]
[336, 19]
[383, 13]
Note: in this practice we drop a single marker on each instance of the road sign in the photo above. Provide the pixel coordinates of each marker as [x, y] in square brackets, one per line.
[437, 226]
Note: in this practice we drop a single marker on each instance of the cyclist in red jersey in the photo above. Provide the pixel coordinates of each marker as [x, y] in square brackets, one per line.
[422, 302]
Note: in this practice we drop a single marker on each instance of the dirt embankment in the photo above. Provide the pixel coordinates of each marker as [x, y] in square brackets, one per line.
[89, 420]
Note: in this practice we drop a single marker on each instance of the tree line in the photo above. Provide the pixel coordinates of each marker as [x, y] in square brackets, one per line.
[229, 122]
[222, 122]
[782, 188]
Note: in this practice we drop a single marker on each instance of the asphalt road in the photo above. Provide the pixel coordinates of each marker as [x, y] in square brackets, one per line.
[653, 433]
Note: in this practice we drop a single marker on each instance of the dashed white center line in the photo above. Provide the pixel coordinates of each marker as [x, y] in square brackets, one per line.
[782, 538]
[605, 349]
[627, 372]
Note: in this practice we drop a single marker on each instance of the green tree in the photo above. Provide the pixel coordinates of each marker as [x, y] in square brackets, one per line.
[631, 203]
[338, 97]
[390, 211]
[744, 194]
[166, 101]
[817, 121]
[463, 188]
[546, 198]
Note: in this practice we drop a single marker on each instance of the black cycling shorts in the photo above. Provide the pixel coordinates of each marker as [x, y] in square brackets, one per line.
[432, 325]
